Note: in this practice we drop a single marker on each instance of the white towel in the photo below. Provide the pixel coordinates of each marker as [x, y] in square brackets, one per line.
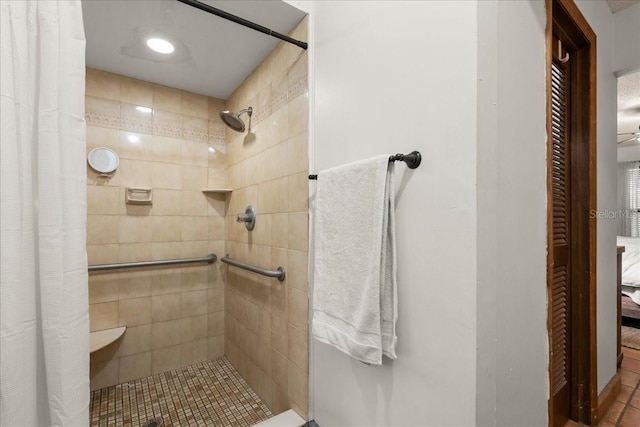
[354, 295]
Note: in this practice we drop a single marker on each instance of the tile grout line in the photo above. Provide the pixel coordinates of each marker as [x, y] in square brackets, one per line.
[628, 402]
[206, 392]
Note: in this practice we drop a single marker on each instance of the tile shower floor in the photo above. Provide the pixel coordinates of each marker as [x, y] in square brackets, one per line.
[210, 393]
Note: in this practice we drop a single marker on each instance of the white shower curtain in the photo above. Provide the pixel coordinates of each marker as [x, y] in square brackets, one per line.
[44, 320]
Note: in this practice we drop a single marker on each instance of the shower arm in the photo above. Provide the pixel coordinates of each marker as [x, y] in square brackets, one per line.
[249, 112]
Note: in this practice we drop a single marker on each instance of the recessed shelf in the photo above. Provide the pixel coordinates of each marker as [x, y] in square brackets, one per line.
[216, 190]
[101, 339]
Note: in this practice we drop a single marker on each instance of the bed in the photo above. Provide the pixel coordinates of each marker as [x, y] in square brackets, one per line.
[631, 267]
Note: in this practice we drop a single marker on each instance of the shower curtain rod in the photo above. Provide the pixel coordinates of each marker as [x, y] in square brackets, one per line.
[242, 21]
[413, 160]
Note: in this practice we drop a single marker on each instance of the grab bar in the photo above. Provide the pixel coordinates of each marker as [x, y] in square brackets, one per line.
[279, 272]
[210, 259]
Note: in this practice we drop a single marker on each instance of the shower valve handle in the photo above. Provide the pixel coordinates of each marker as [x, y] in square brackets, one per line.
[249, 217]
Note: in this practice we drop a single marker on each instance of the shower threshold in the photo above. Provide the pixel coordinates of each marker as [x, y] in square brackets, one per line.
[210, 393]
[286, 419]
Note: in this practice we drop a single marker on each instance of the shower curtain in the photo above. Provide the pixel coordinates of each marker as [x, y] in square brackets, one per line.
[44, 320]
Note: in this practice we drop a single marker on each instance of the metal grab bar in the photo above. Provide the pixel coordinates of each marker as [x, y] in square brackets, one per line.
[210, 259]
[279, 272]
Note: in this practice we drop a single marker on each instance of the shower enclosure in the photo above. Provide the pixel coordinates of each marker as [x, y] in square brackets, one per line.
[204, 343]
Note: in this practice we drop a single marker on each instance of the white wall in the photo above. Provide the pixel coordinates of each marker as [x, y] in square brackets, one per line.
[393, 77]
[627, 40]
[601, 20]
[512, 384]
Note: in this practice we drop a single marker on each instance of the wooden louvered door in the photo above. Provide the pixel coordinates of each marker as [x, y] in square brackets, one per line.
[560, 297]
[571, 220]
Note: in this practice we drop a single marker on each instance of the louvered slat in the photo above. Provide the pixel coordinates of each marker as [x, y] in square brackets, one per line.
[560, 229]
[559, 155]
[559, 319]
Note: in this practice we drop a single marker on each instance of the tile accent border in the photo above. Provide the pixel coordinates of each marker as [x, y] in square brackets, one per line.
[93, 118]
[102, 120]
[99, 119]
[299, 87]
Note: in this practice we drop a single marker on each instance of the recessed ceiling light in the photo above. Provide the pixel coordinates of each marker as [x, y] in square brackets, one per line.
[133, 138]
[211, 149]
[160, 45]
[144, 109]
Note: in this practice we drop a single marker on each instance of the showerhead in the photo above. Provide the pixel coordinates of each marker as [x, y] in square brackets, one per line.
[233, 119]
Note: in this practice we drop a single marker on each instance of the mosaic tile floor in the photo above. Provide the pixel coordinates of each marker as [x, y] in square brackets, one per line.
[211, 393]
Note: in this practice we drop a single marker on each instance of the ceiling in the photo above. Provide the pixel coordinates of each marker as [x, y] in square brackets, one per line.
[618, 5]
[212, 56]
[628, 106]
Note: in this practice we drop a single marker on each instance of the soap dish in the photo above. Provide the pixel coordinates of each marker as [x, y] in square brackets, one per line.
[138, 196]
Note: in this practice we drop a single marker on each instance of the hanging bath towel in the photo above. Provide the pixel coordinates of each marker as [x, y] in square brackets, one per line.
[354, 295]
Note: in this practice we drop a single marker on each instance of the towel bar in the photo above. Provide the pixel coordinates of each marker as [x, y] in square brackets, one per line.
[412, 160]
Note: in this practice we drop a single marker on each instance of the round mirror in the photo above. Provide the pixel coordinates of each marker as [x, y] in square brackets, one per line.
[103, 160]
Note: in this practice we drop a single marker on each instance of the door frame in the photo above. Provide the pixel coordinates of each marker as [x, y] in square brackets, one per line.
[564, 17]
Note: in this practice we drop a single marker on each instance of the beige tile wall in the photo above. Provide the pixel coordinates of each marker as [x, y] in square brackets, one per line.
[266, 320]
[174, 315]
